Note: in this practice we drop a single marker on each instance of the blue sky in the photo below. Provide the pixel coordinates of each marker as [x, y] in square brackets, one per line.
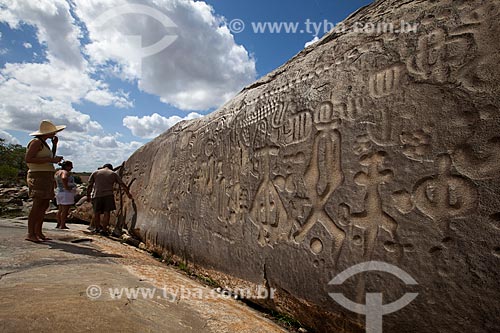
[120, 72]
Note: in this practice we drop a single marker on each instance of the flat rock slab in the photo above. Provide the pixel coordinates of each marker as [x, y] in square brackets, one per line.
[54, 286]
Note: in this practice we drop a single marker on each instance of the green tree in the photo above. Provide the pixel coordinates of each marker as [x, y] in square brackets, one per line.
[11, 160]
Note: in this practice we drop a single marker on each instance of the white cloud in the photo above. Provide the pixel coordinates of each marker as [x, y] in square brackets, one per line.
[202, 69]
[311, 42]
[152, 126]
[9, 138]
[55, 27]
[27, 45]
[31, 92]
[105, 98]
[88, 152]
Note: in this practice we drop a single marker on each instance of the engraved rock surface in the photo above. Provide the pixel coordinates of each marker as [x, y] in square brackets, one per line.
[364, 146]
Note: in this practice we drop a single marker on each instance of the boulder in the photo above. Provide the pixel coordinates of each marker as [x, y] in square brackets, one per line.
[366, 147]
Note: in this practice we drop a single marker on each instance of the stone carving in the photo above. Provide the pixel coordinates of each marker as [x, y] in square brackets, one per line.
[373, 218]
[386, 82]
[416, 145]
[267, 208]
[330, 137]
[380, 131]
[298, 127]
[364, 146]
[445, 195]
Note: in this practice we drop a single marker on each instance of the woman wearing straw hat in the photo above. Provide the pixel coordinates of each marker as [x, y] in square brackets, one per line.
[40, 158]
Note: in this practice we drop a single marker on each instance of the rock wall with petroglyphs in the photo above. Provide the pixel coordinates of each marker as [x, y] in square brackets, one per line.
[365, 146]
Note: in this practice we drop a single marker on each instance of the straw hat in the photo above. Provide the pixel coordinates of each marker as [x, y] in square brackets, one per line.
[47, 127]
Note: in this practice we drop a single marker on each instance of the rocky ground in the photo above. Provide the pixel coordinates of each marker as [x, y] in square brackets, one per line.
[66, 284]
[15, 202]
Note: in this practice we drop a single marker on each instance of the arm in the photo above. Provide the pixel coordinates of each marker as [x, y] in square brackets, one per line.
[90, 187]
[33, 149]
[55, 140]
[122, 184]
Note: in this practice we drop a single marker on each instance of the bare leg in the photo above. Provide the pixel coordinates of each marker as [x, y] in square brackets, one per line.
[92, 225]
[105, 221]
[58, 216]
[64, 216]
[97, 221]
[35, 219]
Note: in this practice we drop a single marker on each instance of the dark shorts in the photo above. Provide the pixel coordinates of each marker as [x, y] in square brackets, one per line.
[104, 204]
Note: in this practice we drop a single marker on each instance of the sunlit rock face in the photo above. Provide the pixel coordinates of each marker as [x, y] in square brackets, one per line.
[366, 146]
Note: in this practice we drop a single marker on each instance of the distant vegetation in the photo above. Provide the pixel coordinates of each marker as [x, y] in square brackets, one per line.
[12, 165]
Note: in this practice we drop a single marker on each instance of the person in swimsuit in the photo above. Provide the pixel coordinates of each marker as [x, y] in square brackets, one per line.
[40, 158]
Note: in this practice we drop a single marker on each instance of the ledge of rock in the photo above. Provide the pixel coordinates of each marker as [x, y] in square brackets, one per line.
[364, 147]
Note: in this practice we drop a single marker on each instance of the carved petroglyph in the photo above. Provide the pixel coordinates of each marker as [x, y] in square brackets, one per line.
[316, 245]
[402, 201]
[380, 131]
[416, 145]
[267, 208]
[261, 135]
[373, 218]
[278, 111]
[256, 188]
[479, 166]
[298, 158]
[252, 125]
[236, 204]
[298, 127]
[330, 138]
[445, 196]
[440, 52]
[430, 62]
[357, 106]
[324, 113]
[362, 145]
[386, 82]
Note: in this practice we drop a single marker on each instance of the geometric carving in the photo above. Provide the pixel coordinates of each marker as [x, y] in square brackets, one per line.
[247, 210]
[416, 144]
[267, 209]
[298, 127]
[380, 131]
[316, 245]
[385, 82]
[362, 145]
[373, 217]
[445, 196]
[439, 52]
[324, 113]
[332, 164]
[429, 61]
[402, 201]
